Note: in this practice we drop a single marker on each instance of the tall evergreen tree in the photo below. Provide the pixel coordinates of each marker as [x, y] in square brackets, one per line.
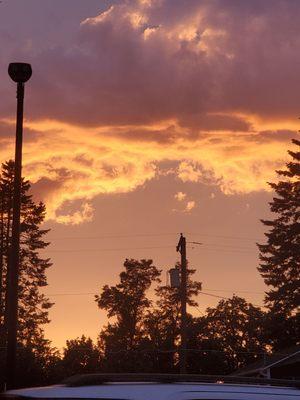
[33, 306]
[280, 256]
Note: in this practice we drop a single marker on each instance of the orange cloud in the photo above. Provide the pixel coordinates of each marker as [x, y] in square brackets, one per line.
[190, 205]
[180, 196]
[71, 165]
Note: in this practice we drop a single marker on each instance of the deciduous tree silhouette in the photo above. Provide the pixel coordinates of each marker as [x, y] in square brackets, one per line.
[127, 302]
[80, 356]
[234, 332]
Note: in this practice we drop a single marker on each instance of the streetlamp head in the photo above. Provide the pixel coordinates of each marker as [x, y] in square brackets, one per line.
[19, 72]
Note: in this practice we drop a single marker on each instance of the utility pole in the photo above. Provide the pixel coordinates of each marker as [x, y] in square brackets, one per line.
[181, 247]
[19, 73]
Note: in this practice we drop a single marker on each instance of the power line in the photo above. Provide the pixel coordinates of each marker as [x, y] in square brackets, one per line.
[115, 236]
[234, 291]
[107, 249]
[226, 237]
[71, 294]
[228, 246]
[212, 248]
[226, 298]
[94, 293]
[206, 290]
[220, 250]
[205, 293]
[218, 247]
[201, 312]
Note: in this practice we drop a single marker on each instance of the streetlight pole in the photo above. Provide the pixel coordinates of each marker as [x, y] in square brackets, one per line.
[19, 73]
[181, 247]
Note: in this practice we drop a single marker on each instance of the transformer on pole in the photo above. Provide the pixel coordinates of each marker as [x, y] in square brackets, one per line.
[174, 274]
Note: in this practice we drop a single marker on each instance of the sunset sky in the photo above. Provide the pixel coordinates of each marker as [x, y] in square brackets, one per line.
[144, 119]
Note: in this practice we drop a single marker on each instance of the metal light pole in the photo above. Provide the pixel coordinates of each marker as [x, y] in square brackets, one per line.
[19, 73]
[181, 247]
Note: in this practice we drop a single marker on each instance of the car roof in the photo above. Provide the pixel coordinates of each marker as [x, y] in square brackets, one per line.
[161, 387]
[154, 391]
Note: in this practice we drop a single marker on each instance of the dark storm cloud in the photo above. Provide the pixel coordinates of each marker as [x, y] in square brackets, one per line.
[198, 57]
[141, 62]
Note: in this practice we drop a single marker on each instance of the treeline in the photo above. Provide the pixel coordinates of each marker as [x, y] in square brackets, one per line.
[144, 333]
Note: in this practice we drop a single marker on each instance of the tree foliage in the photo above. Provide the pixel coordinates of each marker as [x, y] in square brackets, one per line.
[280, 256]
[33, 305]
[226, 338]
[235, 328]
[80, 356]
[127, 302]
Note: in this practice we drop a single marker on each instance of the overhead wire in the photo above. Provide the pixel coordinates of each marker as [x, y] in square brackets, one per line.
[234, 291]
[204, 293]
[210, 247]
[115, 236]
[107, 249]
[205, 247]
[216, 247]
[206, 290]
[220, 250]
[225, 246]
[226, 298]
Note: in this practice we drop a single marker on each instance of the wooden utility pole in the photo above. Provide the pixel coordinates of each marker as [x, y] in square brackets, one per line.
[181, 247]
